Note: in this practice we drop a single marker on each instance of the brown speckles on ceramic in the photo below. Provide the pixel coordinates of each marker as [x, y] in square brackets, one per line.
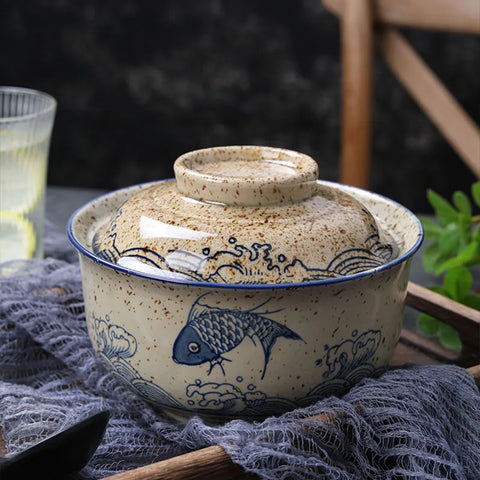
[245, 350]
[328, 341]
[245, 215]
[246, 175]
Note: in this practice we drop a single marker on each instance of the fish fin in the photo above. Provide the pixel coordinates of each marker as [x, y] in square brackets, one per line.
[254, 309]
[218, 361]
[269, 337]
[268, 312]
[197, 307]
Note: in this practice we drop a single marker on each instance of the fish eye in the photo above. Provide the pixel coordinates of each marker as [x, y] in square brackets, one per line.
[193, 347]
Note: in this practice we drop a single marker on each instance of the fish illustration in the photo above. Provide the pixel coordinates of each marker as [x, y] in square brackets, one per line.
[211, 332]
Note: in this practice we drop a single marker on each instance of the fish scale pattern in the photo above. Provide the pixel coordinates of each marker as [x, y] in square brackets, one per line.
[221, 330]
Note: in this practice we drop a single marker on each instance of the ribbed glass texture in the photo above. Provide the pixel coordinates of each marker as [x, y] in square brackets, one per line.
[26, 121]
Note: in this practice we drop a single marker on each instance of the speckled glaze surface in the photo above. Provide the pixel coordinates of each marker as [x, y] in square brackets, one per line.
[245, 215]
[247, 349]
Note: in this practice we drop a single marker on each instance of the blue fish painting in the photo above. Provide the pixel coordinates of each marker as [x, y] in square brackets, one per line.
[211, 332]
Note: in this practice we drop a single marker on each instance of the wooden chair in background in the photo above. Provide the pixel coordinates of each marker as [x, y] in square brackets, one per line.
[365, 23]
[368, 22]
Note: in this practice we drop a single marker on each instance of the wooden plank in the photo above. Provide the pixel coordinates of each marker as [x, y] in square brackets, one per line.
[436, 101]
[465, 319]
[446, 15]
[405, 353]
[357, 86]
[427, 347]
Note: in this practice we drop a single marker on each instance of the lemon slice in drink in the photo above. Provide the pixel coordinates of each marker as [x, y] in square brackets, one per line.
[22, 175]
[21, 183]
[17, 237]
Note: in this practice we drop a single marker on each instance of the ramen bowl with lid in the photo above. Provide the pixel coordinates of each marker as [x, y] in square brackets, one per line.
[245, 287]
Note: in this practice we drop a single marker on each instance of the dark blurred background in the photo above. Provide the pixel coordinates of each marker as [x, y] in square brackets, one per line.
[140, 82]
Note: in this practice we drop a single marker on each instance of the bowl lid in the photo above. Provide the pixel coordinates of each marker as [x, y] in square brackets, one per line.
[244, 214]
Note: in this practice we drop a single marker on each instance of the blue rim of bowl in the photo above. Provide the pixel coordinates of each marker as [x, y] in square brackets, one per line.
[248, 286]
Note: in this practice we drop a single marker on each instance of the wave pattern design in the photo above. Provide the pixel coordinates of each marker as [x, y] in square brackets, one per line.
[114, 345]
[346, 362]
[249, 264]
[345, 357]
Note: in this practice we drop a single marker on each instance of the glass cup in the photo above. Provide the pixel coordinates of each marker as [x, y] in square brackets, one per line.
[26, 122]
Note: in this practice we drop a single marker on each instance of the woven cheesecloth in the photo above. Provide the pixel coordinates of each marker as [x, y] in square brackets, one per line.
[417, 422]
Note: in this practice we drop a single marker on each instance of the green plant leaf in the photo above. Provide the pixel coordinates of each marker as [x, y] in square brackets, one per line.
[439, 290]
[462, 202]
[432, 258]
[431, 228]
[465, 230]
[427, 324]
[449, 239]
[472, 300]
[457, 282]
[449, 337]
[476, 193]
[443, 210]
[470, 255]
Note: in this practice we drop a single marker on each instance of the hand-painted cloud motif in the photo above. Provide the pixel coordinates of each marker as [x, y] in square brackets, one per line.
[223, 397]
[113, 340]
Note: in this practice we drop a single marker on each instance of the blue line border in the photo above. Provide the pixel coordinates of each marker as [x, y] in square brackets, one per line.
[248, 286]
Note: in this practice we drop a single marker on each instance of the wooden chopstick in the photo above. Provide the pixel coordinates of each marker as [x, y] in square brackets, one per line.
[211, 462]
[206, 463]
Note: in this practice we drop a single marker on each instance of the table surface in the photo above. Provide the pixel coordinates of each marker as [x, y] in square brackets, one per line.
[61, 202]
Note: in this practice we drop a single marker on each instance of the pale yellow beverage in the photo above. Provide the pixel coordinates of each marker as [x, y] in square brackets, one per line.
[24, 145]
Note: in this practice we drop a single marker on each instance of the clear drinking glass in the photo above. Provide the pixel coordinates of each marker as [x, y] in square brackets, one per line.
[26, 122]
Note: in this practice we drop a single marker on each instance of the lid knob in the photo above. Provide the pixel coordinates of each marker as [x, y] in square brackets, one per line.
[246, 175]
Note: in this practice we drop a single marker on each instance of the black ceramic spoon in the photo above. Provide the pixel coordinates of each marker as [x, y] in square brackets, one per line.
[57, 456]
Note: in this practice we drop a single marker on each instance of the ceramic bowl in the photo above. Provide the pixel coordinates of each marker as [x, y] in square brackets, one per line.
[245, 292]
